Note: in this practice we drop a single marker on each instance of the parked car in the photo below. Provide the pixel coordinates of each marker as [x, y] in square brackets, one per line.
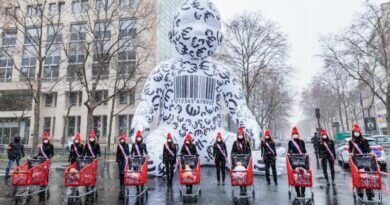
[383, 140]
[342, 153]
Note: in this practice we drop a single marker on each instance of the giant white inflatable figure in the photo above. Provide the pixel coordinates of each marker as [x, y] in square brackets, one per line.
[188, 91]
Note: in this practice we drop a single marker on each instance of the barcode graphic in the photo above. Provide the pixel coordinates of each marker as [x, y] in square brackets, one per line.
[194, 87]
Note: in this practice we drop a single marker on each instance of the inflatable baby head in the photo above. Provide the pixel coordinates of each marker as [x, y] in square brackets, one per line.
[196, 31]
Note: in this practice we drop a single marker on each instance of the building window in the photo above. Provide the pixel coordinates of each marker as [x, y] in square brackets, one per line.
[7, 50]
[127, 97]
[78, 35]
[100, 70]
[127, 48]
[73, 125]
[51, 100]
[9, 38]
[61, 7]
[100, 96]
[52, 9]
[15, 101]
[126, 4]
[100, 125]
[77, 53]
[74, 72]
[103, 5]
[53, 53]
[46, 124]
[29, 61]
[75, 98]
[54, 33]
[51, 68]
[31, 36]
[102, 30]
[124, 124]
[49, 125]
[78, 32]
[34, 10]
[125, 69]
[80, 6]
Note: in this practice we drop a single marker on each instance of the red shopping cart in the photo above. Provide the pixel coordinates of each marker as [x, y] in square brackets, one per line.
[299, 174]
[189, 176]
[34, 173]
[82, 173]
[241, 177]
[136, 175]
[366, 175]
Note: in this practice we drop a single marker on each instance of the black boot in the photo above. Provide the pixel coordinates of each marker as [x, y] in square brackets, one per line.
[121, 192]
[218, 183]
[276, 181]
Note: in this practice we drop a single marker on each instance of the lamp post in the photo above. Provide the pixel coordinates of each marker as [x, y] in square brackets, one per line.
[318, 115]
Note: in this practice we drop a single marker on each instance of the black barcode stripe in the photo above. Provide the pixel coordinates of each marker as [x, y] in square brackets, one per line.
[194, 87]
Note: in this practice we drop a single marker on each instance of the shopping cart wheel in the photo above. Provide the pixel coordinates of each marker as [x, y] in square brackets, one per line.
[289, 194]
[200, 192]
[354, 196]
[253, 193]
[235, 201]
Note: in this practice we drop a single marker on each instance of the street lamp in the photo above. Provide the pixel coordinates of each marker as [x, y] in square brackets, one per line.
[318, 115]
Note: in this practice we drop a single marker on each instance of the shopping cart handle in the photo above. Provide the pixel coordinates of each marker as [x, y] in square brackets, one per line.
[21, 172]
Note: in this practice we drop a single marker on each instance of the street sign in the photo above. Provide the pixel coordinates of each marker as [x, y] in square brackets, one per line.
[370, 124]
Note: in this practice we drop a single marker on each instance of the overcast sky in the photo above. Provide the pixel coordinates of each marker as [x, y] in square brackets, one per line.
[303, 21]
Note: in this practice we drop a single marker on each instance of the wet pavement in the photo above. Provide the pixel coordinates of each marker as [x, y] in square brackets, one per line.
[108, 189]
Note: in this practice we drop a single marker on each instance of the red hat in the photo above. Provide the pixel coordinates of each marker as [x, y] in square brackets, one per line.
[356, 128]
[77, 137]
[123, 136]
[240, 130]
[46, 136]
[323, 132]
[92, 134]
[188, 138]
[267, 133]
[169, 136]
[294, 131]
[219, 136]
[138, 134]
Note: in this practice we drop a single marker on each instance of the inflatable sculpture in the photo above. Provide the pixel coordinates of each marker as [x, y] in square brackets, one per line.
[190, 93]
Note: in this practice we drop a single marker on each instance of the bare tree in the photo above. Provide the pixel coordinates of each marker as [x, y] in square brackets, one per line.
[253, 44]
[42, 35]
[362, 50]
[108, 48]
[270, 97]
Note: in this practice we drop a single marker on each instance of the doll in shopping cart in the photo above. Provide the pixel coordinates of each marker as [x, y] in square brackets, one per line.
[239, 172]
[241, 146]
[297, 146]
[359, 145]
[188, 149]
